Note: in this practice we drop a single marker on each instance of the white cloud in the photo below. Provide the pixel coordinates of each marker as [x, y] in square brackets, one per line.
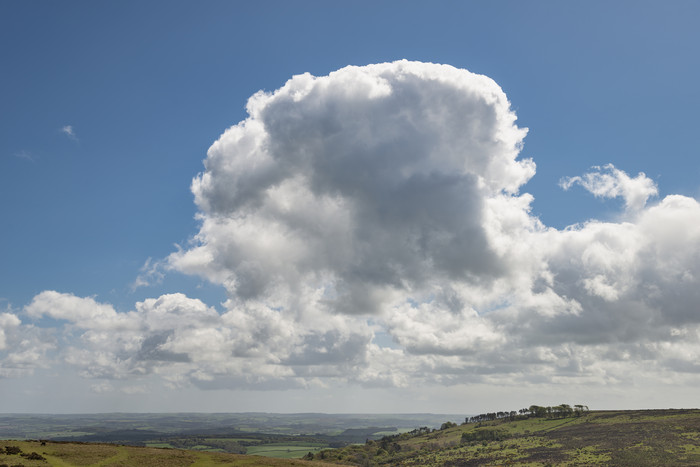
[22, 347]
[366, 182]
[83, 313]
[68, 131]
[26, 155]
[392, 191]
[9, 322]
[116, 345]
[102, 387]
[152, 272]
[387, 200]
[609, 182]
[184, 341]
[134, 390]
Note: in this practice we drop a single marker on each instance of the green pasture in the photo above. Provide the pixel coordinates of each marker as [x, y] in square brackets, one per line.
[390, 433]
[285, 451]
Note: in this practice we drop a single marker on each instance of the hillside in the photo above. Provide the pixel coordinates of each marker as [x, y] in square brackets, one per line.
[639, 438]
[65, 454]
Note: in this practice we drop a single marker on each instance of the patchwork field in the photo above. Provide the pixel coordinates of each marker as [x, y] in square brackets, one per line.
[266, 434]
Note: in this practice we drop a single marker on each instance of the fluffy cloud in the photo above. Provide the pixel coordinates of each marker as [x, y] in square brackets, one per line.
[383, 203]
[22, 347]
[609, 182]
[370, 185]
[184, 341]
[392, 192]
[8, 322]
[116, 345]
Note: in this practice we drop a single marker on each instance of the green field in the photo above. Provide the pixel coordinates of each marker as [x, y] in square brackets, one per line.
[284, 451]
[256, 447]
[391, 433]
[160, 445]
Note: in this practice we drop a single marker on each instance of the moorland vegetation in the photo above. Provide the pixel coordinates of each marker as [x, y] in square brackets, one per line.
[539, 436]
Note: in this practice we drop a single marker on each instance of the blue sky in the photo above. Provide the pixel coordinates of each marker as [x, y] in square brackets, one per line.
[109, 108]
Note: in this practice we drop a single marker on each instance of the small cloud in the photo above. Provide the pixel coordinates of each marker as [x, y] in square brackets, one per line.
[150, 273]
[134, 390]
[68, 130]
[26, 155]
[101, 388]
[610, 182]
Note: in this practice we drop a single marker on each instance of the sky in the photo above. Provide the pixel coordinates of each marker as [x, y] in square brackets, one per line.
[353, 207]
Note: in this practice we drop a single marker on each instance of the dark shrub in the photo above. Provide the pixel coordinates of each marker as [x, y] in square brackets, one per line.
[483, 435]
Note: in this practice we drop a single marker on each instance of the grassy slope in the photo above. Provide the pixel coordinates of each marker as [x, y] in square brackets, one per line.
[108, 455]
[649, 437]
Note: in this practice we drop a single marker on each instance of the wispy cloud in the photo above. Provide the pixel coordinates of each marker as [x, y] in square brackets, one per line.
[26, 155]
[149, 274]
[102, 387]
[68, 131]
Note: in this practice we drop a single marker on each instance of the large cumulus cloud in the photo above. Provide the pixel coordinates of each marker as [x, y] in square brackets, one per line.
[362, 183]
[388, 201]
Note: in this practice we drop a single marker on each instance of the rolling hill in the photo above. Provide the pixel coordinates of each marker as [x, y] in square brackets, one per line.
[634, 438]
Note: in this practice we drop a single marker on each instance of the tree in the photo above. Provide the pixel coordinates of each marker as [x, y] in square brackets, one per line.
[447, 425]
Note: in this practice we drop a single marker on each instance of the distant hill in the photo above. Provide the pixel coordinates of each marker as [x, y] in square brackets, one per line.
[111, 427]
[256, 434]
[630, 438]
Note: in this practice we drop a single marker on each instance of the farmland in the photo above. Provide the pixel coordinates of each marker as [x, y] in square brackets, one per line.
[265, 434]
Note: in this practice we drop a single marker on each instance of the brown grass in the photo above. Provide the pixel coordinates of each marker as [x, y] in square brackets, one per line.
[61, 454]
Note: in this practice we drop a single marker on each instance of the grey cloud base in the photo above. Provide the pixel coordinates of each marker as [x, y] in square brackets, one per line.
[386, 200]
